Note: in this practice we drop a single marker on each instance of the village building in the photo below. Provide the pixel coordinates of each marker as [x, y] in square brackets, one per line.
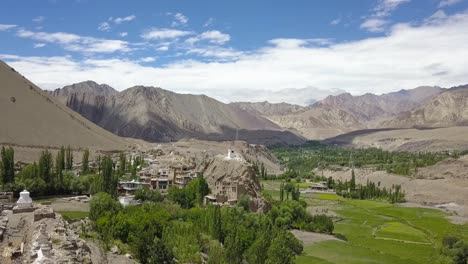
[130, 187]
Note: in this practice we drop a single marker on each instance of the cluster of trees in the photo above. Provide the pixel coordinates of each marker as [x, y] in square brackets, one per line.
[164, 232]
[192, 195]
[44, 177]
[289, 188]
[293, 214]
[49, 175]
[453, 251]
[302, 160]
[349, 189]
[260, 170]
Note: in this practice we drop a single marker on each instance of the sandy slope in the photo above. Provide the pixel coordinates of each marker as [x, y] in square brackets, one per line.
[437, 139]
[30, 118]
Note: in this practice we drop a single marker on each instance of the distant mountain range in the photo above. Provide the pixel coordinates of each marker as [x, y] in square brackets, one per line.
[420, 107]
[155, 114]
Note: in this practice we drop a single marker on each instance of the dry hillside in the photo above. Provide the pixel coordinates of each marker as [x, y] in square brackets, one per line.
[30, 118]
[436, 139]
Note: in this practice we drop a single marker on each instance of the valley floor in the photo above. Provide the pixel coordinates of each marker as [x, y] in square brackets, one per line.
[376, 232]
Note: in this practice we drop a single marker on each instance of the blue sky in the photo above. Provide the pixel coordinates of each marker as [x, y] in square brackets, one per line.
[293, 51]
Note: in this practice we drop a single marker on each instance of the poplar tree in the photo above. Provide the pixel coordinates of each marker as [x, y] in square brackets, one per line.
[85, 162]
[69, 158]
[7, 165]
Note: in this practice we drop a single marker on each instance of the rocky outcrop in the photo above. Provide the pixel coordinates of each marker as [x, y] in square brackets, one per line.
[233, 179]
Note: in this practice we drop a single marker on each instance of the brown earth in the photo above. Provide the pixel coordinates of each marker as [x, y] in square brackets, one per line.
[30, 118]
[431, 139]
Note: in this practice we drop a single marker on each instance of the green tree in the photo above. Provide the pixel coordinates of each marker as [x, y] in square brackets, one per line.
[59, 167]
[7, 165]
[352, 184]
[217, 224]
[122, 164]
[283, 249]
[85, 162]
[68, 158]
[103, 203]
[109, 179]
[202, 189]
[45, 169]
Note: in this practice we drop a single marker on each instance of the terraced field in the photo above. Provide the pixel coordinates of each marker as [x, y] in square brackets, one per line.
[378, 232]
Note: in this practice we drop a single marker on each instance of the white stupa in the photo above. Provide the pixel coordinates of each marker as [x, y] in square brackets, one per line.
[24, 201]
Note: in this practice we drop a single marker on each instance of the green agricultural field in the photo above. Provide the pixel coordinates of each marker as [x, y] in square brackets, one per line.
[379, 232]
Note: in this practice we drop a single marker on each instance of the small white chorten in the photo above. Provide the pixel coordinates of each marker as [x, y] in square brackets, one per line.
[231, 154]
[24, 201]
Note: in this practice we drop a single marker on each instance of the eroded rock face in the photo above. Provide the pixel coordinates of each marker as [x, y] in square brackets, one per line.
[233, 178]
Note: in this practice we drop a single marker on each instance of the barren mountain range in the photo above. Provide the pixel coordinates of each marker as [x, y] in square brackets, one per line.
[420, 107]
[155, 114]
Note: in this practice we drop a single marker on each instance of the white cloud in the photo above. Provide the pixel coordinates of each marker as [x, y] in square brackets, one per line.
[120, 20]
[408, 56]
[163, 48]
[212, 36]
[39, 45]
[374, 25]
[104, 26]
[4, 27]
[209, 22]
[180, 20]
[39, 19]
[148, 59]
[335, 22]
[377, 21]
[123, 34]
[77, 43]
[445, 3]
[386, 7]
[164, 33]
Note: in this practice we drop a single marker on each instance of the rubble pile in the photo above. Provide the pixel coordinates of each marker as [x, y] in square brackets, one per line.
[43, 212]
[55, 242]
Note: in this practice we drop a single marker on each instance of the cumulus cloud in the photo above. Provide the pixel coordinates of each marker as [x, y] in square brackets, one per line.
[445, 3]
[123, 34]
[164, 33]
[409, 55]
[73, 42]
[4, 27]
